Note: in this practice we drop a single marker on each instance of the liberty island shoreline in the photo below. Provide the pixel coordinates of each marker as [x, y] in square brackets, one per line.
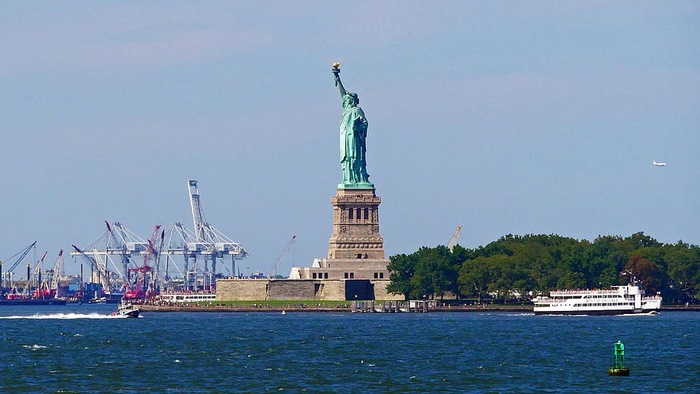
[316, 307]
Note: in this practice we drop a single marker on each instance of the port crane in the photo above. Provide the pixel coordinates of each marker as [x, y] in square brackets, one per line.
[97, 266]
[17, 259]
[144, 282]
[454, 239]
[123, 243]
[42, 287]
[57, 273]
[281, 257]
[205, 243]
[175, 244]
[118, 248]
[115, 252]
[212, 243]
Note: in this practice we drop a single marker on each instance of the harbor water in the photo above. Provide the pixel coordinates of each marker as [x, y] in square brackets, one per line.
[82, 349]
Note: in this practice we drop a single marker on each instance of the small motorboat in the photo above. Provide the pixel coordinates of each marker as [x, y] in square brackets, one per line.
[127, 310]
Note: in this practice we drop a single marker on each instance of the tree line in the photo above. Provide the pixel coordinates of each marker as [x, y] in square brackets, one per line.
[517, 268]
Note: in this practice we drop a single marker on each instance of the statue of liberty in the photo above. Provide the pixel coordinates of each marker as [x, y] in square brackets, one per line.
[353, 134]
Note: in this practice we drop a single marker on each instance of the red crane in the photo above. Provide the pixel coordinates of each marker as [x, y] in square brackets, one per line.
[142, 289]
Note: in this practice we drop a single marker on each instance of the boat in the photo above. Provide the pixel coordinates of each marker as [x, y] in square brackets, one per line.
[178, 298]
[127, 310]
[619, 300]
[104, 300]
[15, 297]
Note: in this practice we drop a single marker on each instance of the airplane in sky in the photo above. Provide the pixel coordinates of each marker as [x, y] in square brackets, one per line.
[658, 163]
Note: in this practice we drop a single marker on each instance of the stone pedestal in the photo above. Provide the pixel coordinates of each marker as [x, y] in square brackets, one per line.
[355, 249]
[356, 226]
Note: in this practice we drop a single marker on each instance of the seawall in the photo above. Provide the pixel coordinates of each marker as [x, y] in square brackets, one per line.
[303, 307]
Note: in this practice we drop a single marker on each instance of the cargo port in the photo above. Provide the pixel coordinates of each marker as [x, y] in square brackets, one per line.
[119, 264]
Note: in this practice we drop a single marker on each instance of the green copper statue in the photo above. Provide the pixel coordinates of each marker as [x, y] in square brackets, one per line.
[353, 134]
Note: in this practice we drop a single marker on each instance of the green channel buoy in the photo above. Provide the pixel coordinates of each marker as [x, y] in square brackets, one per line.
[618, 368]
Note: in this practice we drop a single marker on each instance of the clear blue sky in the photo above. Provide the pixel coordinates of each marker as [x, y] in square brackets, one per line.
[506, 117]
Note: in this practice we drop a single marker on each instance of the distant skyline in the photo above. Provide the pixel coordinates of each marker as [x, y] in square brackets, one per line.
[505, 117]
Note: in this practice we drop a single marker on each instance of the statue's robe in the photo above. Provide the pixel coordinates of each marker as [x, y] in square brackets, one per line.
[353, 133]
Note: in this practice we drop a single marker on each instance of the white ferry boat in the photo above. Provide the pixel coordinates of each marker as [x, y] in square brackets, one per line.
[187, 297]
[620, 300]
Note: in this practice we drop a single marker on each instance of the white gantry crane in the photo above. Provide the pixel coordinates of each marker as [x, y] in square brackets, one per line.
[57, 273]
[113, 255]
[205, 244]
[98, 272]
[118, 253]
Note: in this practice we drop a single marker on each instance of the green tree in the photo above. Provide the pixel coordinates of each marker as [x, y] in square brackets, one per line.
[433, 274]
[538, 263]
[683, 270]
[475, 276]
[401, 270]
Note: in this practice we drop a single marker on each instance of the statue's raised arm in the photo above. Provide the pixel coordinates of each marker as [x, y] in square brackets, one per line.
[338, 83]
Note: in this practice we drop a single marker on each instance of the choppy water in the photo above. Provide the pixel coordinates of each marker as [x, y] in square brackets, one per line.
[50, 349]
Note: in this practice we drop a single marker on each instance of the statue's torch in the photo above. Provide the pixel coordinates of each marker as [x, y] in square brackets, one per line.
[336, 72]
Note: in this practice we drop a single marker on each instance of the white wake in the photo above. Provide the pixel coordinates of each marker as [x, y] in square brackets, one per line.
[65, 316]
